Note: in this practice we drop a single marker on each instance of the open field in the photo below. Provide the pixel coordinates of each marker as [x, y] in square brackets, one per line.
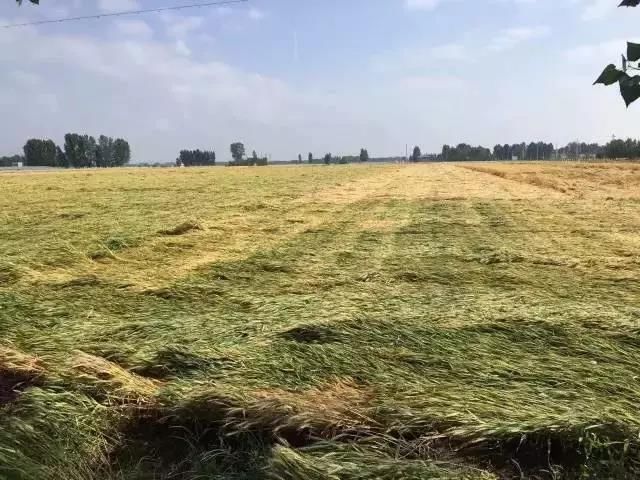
[348, 322]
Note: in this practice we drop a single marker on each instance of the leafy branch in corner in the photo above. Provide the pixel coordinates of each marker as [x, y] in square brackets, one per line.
[629, 84]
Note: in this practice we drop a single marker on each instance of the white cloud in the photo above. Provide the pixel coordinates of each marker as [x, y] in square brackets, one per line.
[597, 9]
[428, 5]
[179, 26]
[133, 28]
[432, 82]
[512, 37]
[109, 6]
[182, 49]
[255, 14]
[596, 52]
[422, 4]
[22, 77]
[449, 51]
[428, 58]
[417, 58]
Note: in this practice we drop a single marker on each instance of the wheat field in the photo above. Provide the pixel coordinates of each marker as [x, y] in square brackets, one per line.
[442, 321]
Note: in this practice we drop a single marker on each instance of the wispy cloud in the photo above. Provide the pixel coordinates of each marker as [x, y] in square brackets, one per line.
[597, 9]
[117, 5]
[422, 4]
[414, 59]
[256, 14]
[512, 37]
[133, 28]
[432, 82]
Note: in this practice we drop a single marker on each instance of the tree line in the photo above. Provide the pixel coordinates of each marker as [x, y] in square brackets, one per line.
[328, 158]
[80, 151]
[616, 148]
[193, 158]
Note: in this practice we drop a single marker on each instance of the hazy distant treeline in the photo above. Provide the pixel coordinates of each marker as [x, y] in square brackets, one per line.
[616, 148]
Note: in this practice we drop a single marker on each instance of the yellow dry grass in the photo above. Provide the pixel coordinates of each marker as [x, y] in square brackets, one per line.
[75, 214]
[485, 303]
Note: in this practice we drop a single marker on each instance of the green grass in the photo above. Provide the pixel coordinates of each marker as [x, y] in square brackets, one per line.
[318, 323]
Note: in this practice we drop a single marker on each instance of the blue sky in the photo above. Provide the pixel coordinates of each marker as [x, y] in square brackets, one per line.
[293, 76]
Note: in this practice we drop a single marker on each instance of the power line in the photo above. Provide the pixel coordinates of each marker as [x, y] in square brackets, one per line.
[127, 12]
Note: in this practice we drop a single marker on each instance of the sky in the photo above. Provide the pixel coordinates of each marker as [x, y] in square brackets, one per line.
[297, 76]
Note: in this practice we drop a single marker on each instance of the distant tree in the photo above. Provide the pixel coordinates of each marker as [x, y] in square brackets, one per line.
[237, 151]
[80, 150]
[446, 153]
[310, 157]
[618, 148]
[327, 159]
[40, 153]
[464, 152]
[299, 158]
[10, 161]
[105, 152]
[193, 158]
[415, 156]
[92, 151]
[61, 158]
[254, 159]
[121, 152]
[530, 152]
[72, 149]
[364, 155]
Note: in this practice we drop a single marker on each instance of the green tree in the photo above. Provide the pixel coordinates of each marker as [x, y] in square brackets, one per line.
[299, 158]
[310, 157]
[121, 152]
[254, 158]
[11, 161]
[364, 155]
[61, 158]
[80, 150]
[40, 153]
[629, 84]
[415, 156]
[327, 159]
[105, 152]
[190, 158]
[73, 150]
[237, 151]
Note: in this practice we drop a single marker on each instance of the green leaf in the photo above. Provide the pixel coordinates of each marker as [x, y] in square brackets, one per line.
[629, 3]
[610, 75]
[633, 51]
[630, 89]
